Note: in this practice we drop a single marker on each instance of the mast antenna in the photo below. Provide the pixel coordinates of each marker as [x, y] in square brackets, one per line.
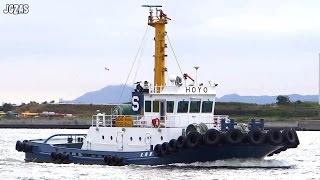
[158, 21]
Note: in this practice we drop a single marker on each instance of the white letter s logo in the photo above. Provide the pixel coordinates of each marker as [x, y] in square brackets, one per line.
[135, 103]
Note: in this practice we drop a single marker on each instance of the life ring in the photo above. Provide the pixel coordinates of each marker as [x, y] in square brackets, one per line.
[165, 148]
[234, 136]
[274, 137]
[181, 141]
[256, 137]
[172, 145]
[212, 137]
[156, 122]
[157, 150]
[193, 139]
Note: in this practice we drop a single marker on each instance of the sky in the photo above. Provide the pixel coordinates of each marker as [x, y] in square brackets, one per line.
[60, 48]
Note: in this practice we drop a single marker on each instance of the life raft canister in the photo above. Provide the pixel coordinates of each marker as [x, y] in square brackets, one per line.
[156, 122]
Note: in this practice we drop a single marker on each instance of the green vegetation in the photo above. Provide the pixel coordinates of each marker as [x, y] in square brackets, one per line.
[284, 109]
[6, 107]
[283, 100]
[292, 110]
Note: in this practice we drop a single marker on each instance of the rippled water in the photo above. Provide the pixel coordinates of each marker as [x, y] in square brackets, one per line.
[300, 163]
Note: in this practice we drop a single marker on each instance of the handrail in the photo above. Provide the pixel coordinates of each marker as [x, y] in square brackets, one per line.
[55, 135]
[170, 120]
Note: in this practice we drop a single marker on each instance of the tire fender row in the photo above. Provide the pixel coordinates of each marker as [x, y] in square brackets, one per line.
[213, 137]
[291, 139]
[113, 160]
[60, 157]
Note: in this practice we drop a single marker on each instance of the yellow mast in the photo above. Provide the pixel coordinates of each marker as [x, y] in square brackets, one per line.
[159, 22]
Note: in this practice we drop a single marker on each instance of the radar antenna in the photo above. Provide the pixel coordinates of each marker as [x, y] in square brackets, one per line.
[151, 6]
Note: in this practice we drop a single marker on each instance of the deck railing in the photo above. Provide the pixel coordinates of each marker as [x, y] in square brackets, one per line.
[102, 120]
[69, 138]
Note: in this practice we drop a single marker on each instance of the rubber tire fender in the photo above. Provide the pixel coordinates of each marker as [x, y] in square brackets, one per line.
[172, 145]
[114, 161]
[157, 150]
[212, 137]
[54, 156]
[19, 146]
[120, 163]
[165, 148]
[107, 159]
[297, 140]
[256, 137]
[64, 158]
[27, 147]
[289, 136]
[181, 142]
[274, 137]
[234, 136]
[193, 139]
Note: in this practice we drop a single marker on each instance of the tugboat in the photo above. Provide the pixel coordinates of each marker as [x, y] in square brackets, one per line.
[171, 122]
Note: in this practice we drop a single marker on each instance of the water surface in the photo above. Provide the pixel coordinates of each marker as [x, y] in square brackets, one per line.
[300, 163]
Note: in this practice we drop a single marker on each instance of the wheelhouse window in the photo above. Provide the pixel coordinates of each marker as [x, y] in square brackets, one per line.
[183, 106]
[147, 106]
[155, 106]
[207, 106]
[195, 106]
[170, 106]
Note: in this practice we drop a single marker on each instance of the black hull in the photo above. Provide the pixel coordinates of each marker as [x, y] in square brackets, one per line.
[43, 153]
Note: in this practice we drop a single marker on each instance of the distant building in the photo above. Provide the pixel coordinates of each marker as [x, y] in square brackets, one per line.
[28, 114]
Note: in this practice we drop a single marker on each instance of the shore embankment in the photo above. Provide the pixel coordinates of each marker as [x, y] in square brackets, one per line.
[303, 125]
[37, 123]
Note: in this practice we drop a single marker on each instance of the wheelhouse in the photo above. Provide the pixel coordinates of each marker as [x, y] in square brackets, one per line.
[174, 106]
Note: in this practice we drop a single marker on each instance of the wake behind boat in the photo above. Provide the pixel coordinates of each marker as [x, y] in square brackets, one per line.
[171, 122]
